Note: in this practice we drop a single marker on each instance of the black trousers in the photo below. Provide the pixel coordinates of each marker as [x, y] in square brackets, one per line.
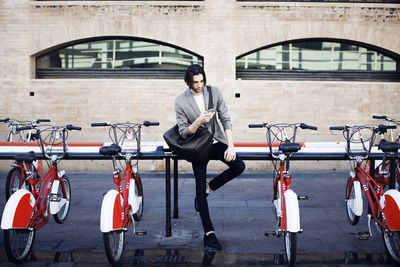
[236, 167]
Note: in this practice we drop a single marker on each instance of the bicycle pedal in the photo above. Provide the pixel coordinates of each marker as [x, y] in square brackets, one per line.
[302, 197]
[270, 233]
[141, 232]
[363, 235]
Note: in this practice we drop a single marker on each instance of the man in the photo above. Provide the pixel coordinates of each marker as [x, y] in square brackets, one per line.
[192, 111]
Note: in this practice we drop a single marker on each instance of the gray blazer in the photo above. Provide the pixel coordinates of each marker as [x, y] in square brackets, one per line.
[187, 112]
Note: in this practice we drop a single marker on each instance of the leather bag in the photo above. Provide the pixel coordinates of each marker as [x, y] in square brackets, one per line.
[195, 148]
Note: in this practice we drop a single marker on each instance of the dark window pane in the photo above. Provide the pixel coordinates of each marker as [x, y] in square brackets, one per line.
[117, 54]
[317, 56]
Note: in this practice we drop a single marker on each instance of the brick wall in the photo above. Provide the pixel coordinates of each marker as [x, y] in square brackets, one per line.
[219, 30]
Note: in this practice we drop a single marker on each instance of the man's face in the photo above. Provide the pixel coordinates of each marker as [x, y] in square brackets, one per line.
[198, 83]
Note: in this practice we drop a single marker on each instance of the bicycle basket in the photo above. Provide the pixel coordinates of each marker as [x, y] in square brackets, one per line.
[278, 134]
[52, 138]
[360, 140]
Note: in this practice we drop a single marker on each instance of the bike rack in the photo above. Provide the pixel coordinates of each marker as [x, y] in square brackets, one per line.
[160, 151]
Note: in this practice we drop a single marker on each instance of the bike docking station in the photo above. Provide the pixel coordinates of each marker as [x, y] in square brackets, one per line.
[310, 151]
[305, 151]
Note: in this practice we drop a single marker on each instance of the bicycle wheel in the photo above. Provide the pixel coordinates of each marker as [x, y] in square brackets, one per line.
[290, 247]
[392, 244]
[13, 182]
[18, 243]
[62, 214]
[353, 218]
[114, 243]
[139, 193]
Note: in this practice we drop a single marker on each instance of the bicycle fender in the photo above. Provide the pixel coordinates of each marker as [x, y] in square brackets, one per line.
[356, 204]
[133, 199]
[61, 173]
[56, 201]
[292, 211]
[18, 210]
[111, 212]
[390, 204]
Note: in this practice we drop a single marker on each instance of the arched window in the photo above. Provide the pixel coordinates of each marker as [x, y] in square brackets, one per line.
[116, 58]
[319, 59]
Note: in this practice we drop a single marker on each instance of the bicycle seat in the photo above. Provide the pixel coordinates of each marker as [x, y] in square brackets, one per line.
[26, 157]
[110, 150]
[386, 146]
[289, 147]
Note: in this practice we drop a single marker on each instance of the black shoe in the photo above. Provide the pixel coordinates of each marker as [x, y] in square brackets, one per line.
[211, 242]
[196, 206]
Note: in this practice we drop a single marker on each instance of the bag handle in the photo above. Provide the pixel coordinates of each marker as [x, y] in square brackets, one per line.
[210, 106]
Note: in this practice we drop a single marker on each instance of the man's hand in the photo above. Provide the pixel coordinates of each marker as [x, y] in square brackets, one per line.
[205, 116]
[230, 154]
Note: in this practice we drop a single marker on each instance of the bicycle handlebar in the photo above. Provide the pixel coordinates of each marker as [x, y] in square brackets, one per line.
[337, 128]
[151, 123]
[310, 127]
[385, 118]
[379, 117]
[24, 128]
[257, 125]
[382, 129]
[70, 127]
[5, 120]
[144, 123]
[42, 120]
[98, 124]
[278, 132]
[301, 125]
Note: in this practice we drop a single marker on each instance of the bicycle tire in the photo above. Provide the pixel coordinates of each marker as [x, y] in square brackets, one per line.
[353, 218]
[290, 248]
[13, 181]
[114, 245]
[139, 192]
[277, 198]
[392, 244]
[18, 244]
[62, 214]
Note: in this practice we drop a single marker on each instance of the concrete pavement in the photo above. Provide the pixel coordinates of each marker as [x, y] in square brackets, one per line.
[241, 212]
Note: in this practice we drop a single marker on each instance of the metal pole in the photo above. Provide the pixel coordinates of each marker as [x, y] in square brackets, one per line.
[176, 188]
[168, 197]
[392, 172]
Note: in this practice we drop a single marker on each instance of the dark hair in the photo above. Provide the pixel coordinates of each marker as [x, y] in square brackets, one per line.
[192, 70]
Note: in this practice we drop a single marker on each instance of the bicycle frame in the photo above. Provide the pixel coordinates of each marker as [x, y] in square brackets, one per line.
[290, 215]
[368, 184]
[39, 218]
[126, 194]
[122, 202]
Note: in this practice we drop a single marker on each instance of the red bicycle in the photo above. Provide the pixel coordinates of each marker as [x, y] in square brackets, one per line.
[392, 166]
[124, 205]
[28, 210]
[384, 206]
[282, 144]
[14, 179]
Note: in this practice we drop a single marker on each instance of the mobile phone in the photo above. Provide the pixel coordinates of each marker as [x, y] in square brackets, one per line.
[211, 110]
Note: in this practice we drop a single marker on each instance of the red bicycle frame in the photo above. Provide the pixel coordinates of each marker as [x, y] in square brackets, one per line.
[126, 176]
[285, 185]
[38, 219]
[367, 184]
